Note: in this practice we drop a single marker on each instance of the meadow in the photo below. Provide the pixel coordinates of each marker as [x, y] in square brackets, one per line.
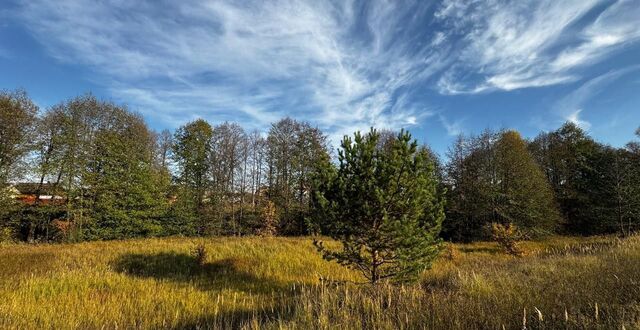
[282, 283]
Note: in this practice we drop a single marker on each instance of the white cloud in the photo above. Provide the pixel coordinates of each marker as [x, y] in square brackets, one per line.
[616, 26]
[511, 45]
[574, 117]
[453, 128]
[255, 59]
[343, 65]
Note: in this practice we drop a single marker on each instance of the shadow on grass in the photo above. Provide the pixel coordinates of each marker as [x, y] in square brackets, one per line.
[226, 274]
[231, 273]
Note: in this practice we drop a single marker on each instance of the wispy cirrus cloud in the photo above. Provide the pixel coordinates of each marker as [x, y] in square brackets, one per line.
[253, 60]
[574, 117]
[343, 65]
[453, 128]
[614, 27]
[508, 45]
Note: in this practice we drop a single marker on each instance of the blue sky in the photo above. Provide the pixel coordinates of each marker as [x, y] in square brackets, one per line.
[437, 68]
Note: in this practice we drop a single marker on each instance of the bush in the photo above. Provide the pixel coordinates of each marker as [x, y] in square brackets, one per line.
[450, 253]
[507, 237]
[200, 253]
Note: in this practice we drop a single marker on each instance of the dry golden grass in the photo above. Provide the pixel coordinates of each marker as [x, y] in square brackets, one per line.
[257, 282]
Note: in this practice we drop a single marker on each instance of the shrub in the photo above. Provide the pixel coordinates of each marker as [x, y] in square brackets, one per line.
[200, 254]
[450, 253]
[507, 238]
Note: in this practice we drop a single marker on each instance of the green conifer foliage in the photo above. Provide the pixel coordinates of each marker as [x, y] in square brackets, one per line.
[383, 205]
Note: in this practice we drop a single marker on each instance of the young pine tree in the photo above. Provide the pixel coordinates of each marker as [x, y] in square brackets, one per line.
[383, 205]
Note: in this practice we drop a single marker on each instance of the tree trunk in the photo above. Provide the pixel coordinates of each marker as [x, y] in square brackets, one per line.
[374, 267]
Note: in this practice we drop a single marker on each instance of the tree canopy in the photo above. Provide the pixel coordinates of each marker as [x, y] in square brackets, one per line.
[383, 205]
[114, 177]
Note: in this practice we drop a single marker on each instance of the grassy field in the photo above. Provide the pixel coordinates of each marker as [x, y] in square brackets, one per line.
[282, 283]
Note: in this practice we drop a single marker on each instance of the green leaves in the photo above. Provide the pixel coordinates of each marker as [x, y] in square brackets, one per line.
[383, 205]
[595, 185]
[494, 178]
[17, 122]
[191, 153]
[524, 196]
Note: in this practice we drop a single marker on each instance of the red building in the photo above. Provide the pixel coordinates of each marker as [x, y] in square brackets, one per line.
[45, 193]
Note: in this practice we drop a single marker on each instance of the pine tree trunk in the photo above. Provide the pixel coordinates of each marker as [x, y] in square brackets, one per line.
[374, 267]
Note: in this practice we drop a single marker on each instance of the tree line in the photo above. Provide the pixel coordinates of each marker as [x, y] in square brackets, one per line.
[120, 179]
[562, 181]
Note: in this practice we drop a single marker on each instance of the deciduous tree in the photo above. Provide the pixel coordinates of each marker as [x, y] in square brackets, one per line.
[191, 150]
[17, 122]
[523, 196]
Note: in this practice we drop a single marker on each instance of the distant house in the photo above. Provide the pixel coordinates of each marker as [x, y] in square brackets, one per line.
[30, 192]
